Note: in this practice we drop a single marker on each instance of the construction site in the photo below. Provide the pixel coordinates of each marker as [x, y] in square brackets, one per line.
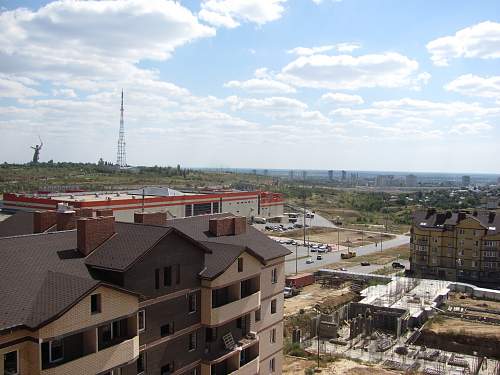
[392, 325]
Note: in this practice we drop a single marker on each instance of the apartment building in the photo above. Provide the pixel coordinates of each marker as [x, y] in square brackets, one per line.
[200, 295]
[460, 246]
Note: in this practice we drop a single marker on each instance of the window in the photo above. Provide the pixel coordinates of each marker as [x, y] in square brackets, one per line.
[188, 210]
[240, 264]
[141, 363]
[192, 341]
[273, 306]
[202, 209]
[178, 274]
[211, 334]
[95, 303]
[239, 323]
[274, 276]
[141, 320]
[167, 369]
[167, 276]
[474, 264]
[157, 278]
[56, 351]
[257, 315]
[215, 207]
[11, 363]
[272, 336]
[272, 365]
[167, 329]
[192, 303]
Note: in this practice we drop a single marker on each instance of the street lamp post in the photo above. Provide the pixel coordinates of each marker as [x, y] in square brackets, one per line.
[296, 258]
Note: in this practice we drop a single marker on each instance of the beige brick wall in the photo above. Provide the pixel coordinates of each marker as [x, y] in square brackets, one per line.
[28, 356]
[100, 361]
[267, 288]
[251, 267]
[114, 304]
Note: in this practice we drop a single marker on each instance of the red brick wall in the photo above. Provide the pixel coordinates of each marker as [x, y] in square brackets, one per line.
[66, 220]
[85, 212]
[227, 226]
[104, 212]
[151, 218]
[43, 220]
[92, 232]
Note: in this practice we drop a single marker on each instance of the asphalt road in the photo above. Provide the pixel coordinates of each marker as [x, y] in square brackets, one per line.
[334, 256]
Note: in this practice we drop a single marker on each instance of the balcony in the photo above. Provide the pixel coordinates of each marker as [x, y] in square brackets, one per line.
[100, 361]
[250, 368]
[224, 304]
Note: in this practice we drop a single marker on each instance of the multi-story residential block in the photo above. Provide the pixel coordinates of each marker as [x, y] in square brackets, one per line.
[88, 295]
[459, 246]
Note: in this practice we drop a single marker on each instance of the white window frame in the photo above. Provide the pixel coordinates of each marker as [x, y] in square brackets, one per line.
[195, 346]
[17, 360]
[274, 276]
[193, 295]
[272, 365]
[272, 336]
[143, 319]
[51, 360]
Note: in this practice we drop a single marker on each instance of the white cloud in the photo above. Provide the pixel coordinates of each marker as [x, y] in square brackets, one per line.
[472, 85]
[470, 128]
[273, 104]
[342, 99]
[478, 41]
[230, 14]
[263, 83]
[340, 47]
[93, 38]
[261, 86]
[349, 72]
[12, 87]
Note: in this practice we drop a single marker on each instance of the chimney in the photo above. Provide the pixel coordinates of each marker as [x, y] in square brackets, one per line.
[430, 212]
[92, 232]
[104, 212]
[491, 216]
[66, 217]
[85, 212]
[150, 218]
[227, 226]
[43, 220]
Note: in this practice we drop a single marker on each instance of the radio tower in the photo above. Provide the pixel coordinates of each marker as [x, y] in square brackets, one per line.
[121, 159]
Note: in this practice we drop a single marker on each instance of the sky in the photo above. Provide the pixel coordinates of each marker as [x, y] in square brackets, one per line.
[387, 85]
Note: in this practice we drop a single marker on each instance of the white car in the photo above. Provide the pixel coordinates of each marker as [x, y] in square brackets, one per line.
[309, 261]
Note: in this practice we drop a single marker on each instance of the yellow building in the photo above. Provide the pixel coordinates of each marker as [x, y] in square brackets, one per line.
[458, 246]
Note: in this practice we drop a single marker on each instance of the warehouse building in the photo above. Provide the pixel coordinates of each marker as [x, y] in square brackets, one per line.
[174, 203]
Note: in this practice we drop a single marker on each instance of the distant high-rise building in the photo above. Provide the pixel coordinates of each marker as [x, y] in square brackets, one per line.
[344, 175]
[304, 175]
[465, 180]
[411, 180]
[290, 174]
[330, 175]
[266, 172]
[384, 180]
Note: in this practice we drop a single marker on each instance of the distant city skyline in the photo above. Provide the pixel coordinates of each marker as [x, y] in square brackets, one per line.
[269, 84]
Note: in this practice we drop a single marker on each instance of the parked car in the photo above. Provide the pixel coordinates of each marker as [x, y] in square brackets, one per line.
[319, 257]
[290, 292]
[313, 250]
[365, 263]
[309, 261]
[342, 269]
[297, 225]
[398, 265]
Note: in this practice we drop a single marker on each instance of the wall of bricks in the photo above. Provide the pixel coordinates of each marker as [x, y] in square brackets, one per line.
[92, 232]
[150, 218]
[43, 220]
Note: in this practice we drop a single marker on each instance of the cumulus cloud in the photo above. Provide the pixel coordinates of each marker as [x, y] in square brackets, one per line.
[12, 87]
[349, 72]
[341, 98]
[340, 47]
[470, 128]
[93, 38]
[263, 83]
[478, 41]
[473, 85]
[230, 14]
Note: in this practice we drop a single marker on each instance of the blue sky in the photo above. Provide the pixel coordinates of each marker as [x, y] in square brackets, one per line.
[351, 84]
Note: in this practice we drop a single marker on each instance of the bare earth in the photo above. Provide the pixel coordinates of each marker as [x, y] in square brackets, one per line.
[333, 236]
[314, 294]
[297, 366]
[454, 326]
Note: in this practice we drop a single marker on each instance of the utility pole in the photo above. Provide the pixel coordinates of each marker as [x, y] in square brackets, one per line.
[296, 258]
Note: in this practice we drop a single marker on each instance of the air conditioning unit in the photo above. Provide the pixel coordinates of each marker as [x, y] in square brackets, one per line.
[252, 335]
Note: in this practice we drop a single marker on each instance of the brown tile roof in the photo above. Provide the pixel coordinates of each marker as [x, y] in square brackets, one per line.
[259, 244]
[41, 276]
[19, 223]
[430, 219]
